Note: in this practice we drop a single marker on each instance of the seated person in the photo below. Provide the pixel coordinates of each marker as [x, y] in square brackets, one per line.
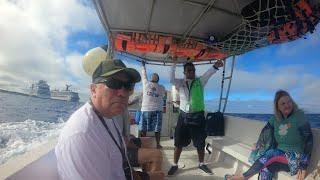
[291, 142]
[141, 151]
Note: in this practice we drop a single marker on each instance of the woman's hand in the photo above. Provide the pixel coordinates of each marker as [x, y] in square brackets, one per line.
[254, 146]
[301, 174]
[218, 64]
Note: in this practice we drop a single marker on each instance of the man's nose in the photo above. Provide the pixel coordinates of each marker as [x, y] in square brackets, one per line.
[123, 92]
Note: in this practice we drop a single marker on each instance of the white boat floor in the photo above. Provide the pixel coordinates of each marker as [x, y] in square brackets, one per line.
[189, 159]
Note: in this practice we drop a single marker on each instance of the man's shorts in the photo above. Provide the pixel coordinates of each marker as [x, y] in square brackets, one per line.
[132, 154]
[151, 121]
[136, 141]
[185, 133]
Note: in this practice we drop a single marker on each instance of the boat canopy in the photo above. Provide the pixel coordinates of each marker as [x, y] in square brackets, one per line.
[202, 30]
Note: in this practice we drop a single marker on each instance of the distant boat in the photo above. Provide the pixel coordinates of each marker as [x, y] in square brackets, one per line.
[66, 95]
[40, 89]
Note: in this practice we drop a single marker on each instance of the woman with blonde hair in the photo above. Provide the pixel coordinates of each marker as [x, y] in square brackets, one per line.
[289, 146]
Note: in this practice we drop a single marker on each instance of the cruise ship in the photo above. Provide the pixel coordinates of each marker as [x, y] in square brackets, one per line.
[66, 95]
[40, 89]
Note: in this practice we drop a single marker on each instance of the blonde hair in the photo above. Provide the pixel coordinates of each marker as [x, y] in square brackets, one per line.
[280, 93]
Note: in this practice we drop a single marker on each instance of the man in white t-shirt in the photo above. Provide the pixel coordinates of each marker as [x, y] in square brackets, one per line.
[90, 145]
[152, 104]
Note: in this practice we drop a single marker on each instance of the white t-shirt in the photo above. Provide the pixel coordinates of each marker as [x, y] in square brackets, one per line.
[85, 150]
[181, 85]
[153, 93]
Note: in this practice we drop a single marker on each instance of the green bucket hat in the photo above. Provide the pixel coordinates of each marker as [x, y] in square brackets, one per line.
[110, 67]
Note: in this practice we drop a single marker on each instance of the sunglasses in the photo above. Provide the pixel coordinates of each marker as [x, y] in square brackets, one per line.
[117, 84]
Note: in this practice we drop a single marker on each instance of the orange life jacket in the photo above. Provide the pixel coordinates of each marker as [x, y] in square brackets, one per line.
[304, 21]
[144, 43]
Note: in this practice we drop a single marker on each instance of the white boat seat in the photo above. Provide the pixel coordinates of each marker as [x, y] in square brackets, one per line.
[241, 133]
[43, 168]
[232, 147]
[239, 151]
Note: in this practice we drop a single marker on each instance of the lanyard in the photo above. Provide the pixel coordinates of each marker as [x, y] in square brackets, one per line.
[120, 147]
[189, 89]
[125, 165]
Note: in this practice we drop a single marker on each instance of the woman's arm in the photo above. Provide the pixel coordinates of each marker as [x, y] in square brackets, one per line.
[306, 133]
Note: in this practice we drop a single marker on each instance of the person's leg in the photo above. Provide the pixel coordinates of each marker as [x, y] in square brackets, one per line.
[278, 166]
[132, 154]
[137, 175]
[177, 153]
[157, 135]
[176, 157]
[148, 142]
[143, 133]
[143, 126]
[156, 175]
[199, 136]
[270, 157]
[202, 165]
[150, 159]
[182, 138]
[158, 127]
[266, 173]
[200, 154]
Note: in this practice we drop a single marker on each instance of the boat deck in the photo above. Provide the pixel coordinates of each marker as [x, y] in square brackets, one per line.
[189, 159]
[229, 155]
[45, 166]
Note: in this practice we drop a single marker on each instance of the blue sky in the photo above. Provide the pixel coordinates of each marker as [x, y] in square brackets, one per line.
[47, 39]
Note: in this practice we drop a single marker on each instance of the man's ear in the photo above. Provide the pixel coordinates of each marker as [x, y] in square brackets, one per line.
[93, 88]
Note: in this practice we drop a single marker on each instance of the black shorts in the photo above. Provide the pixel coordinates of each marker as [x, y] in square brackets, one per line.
[132, 154]
[183, 133]
[136, 141]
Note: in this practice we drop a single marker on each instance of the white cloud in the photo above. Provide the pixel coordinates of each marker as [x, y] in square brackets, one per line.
[85, 44]
[34, 37]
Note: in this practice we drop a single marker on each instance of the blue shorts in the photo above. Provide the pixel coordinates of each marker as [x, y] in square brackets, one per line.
[150, 121]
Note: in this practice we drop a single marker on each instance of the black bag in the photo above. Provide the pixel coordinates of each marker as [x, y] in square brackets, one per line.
[195, 119]
[215, 124]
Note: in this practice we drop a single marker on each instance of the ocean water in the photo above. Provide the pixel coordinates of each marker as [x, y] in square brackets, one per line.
[314, 119]
[27, 122]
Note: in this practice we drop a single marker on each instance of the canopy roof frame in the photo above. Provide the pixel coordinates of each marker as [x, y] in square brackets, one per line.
[192, 20]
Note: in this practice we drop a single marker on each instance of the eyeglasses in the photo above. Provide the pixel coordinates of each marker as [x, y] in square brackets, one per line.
[117, 84]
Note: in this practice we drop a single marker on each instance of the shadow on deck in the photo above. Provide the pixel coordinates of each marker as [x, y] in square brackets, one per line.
[189, 159]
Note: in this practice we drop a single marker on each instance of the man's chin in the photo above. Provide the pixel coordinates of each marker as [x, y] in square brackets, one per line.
[120, 109]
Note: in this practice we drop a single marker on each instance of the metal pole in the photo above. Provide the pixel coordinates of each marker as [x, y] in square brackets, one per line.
[222, 82]
[229, 85]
